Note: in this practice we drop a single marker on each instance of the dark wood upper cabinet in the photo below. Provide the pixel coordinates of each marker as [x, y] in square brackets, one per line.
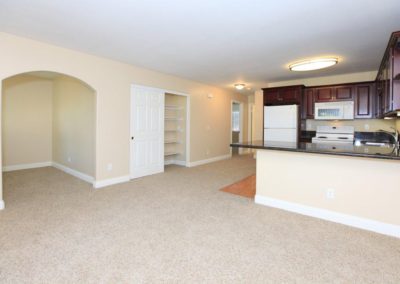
[334, 93]
[388, 79]
[344, 93]
[291, 94]
[308, 104]
[363, 95]
[271, 97]
[324, 94]
[283, 95]
[396, 74]
[364, 100]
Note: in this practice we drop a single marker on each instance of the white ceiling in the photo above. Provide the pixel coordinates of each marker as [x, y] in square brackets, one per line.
[219, 42]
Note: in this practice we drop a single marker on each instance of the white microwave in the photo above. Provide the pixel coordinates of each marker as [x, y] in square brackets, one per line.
[334, 110]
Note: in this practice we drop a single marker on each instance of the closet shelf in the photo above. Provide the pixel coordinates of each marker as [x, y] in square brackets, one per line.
[173, 107]
[173, 130]
[171, 153]
[172, 141]
[173, 118]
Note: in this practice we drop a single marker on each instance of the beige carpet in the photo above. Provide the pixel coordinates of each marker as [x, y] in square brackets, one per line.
[175, 227]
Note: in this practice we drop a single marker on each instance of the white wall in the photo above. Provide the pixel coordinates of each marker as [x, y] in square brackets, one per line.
[258, 115]
[74, 125]
[27, 120]
[363, 187]
[210, 118]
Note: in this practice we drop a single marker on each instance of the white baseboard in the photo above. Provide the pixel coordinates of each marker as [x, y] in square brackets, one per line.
[2, 205]
[350, 220]
[111, 181]
[73, 172]
[26, 166]
[211, 160]
[180, 163]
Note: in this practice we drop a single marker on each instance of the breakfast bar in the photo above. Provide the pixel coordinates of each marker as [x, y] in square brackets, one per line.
[353, 184]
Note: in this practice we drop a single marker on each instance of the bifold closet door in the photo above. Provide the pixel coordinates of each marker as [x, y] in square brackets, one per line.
[147, 131]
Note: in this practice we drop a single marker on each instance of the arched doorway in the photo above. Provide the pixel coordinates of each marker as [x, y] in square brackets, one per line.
[49, 119]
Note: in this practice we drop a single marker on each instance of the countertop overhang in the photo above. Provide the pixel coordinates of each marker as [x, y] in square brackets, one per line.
[376, 152]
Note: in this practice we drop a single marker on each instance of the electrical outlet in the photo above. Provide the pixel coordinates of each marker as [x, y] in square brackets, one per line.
[208, 152]
[69, 159]
[366, 126]
[109, 167]
[330, 193]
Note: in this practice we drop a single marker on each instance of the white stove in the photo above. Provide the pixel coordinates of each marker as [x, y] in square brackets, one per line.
[334, 135]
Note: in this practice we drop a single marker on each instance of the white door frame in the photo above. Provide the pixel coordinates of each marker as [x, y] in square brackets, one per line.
[187, 154]
[250, 124]
[250, 121]
[187, 120]
[241, 124]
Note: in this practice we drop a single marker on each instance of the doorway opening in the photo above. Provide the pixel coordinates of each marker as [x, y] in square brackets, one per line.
[49, 119]
[236, 126]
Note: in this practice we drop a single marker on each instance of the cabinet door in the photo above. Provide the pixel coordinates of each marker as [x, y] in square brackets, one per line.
[308, 104]
[282, 96]
[387, 96]
[378, 96]
[344, 93]
[272, 97]
[396, 76]
[364, 95]
[324, 94]
[290, 95]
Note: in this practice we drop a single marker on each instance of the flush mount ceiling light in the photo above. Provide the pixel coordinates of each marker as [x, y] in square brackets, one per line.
[240, 86]
[314, 64]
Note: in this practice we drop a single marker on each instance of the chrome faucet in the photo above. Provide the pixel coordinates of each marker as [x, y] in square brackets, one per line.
[394, 134]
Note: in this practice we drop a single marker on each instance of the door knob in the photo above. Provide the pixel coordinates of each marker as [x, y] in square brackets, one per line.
[132, 138]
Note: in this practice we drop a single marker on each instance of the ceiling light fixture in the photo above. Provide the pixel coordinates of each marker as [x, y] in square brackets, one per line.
[240, 86]
[314, 64]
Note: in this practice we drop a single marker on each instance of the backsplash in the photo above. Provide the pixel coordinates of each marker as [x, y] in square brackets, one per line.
[360, 125]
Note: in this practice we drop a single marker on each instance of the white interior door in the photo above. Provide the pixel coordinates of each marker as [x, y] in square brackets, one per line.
[147, 131]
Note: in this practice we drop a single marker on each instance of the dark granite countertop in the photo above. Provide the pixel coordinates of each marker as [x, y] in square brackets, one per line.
[358, 150]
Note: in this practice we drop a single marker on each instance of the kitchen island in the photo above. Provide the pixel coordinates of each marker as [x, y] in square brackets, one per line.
[355, 185]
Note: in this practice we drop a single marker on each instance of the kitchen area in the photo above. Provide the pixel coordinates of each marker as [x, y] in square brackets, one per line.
[332, 151]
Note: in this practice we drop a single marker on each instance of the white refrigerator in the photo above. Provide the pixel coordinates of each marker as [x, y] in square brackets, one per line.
[281, 123]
